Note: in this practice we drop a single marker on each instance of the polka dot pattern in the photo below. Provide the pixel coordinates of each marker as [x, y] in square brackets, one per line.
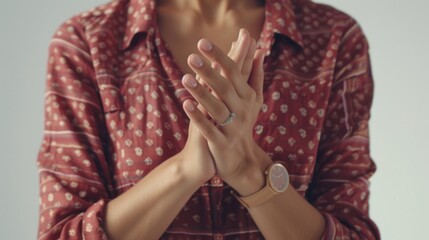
[113, 113]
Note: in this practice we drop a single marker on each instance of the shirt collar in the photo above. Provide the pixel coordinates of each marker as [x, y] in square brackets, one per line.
[279, 15]
[140, 15]
[282, 17]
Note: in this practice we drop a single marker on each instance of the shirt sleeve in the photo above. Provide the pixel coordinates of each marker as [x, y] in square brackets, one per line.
[73, 170]
[340, 187]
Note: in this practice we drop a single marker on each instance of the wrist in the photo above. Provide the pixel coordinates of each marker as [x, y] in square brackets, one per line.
[191, 172]
[252, 178]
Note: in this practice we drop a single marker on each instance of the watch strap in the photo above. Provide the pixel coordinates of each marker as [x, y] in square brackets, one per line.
[257, 198]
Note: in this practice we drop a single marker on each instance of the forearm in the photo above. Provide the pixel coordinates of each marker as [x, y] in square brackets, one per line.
[148, 208]
[286, 215]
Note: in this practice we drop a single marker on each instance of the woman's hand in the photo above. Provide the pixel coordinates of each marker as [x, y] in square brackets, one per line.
[196, 154]
[197, 159]
[238, 89]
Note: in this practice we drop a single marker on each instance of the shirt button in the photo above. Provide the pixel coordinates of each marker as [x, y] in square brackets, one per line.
[216, 182]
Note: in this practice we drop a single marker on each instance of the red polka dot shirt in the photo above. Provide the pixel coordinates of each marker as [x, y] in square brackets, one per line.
[113, 113]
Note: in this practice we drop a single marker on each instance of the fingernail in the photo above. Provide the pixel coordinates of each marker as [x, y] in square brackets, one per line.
[189, 106]
[189, 81]
[206, 45]
[196, 60]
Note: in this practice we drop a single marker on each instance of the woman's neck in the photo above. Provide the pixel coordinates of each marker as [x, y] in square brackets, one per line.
[212, 11]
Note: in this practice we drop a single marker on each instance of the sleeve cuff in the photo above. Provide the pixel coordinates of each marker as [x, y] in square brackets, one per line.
[93, 221]
[330, 229]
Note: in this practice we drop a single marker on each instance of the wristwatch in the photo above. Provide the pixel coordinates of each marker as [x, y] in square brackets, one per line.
[277, 181]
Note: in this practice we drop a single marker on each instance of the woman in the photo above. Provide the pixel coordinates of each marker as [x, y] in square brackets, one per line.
[161, 123]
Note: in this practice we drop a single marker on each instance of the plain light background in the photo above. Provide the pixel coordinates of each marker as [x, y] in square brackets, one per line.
[399, 127]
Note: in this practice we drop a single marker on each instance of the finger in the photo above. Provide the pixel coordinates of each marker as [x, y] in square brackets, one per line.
[230, 69]
[221, 86]
[241, 48]
[248, 61]
[230, 53]
[215, 54]
[216, 66]
[214, 107]
[233, 52]
[231, 49]
[218, 69]
[202, 109]
[256, 78]
[200, 81]
[207, 128]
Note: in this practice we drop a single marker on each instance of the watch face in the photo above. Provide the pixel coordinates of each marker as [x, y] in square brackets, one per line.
[279, 177]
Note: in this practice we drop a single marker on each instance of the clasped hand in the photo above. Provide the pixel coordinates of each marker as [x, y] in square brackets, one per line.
[226, 83]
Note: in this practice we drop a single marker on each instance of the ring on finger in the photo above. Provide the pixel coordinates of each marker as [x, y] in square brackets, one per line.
[229, 120]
